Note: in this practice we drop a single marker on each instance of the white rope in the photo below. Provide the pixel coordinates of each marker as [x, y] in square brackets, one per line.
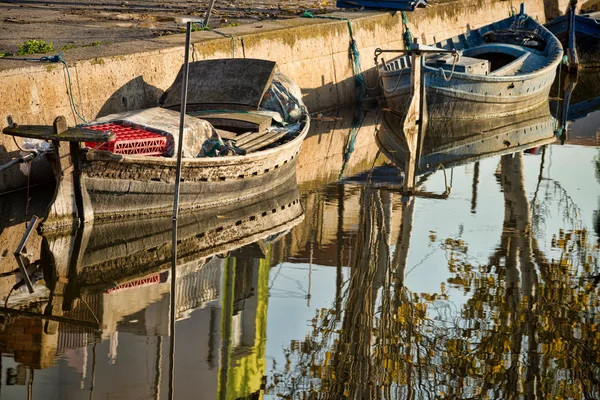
[396, 85]
[456, 58]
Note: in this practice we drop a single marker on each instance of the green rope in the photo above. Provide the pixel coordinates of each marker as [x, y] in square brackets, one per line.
[202, 27]
[57, 58]
[357, 121]
[232, 40]
[359, 79]
[406, 35]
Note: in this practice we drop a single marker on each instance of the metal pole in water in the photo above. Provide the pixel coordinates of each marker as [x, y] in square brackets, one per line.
[188, 31]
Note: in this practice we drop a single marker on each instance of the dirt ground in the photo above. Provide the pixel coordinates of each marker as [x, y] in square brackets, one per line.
[69, 24]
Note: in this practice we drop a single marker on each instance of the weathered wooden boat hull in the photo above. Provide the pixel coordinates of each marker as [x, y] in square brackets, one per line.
[518, 87]
[467, 98]
[460, 142]
[121, 187]
[115, 187]
[120, 251]
[587, 37]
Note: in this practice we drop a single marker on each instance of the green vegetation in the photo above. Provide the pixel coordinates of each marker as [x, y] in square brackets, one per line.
[35, 47]
[68, 47]
[94, 44]
[5, 55]
[196, 28]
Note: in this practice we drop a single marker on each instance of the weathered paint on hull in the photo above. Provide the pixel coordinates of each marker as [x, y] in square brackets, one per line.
[469, 100]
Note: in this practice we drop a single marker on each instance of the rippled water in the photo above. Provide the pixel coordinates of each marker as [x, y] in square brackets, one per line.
[488, 291]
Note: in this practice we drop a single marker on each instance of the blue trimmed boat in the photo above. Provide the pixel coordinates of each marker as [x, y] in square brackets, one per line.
[584, 36]
[504, 68]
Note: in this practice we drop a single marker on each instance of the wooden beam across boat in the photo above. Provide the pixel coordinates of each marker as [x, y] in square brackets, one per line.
[236, 120]
[72, 134]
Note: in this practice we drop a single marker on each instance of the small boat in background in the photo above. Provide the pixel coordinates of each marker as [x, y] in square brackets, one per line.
[451, 143]
[582, 32]
[233, 148]
[500, 69]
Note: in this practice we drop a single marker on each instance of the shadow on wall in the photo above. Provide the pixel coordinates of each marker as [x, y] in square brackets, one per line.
[334, 95]
[134, 95]
[552, 9]
[13, 178]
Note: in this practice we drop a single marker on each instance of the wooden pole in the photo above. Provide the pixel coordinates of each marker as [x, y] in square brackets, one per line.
[415, 120]
[208, 12]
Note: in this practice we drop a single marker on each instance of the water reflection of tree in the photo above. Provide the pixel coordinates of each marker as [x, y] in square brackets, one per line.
[528, 330]
[596, 222]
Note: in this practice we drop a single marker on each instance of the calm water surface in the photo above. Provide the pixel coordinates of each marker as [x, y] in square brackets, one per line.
[489, 292]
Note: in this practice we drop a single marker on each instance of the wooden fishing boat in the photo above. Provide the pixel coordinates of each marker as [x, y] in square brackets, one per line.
[450, 143]
[107, 185]
[582, 31]
[500, 69]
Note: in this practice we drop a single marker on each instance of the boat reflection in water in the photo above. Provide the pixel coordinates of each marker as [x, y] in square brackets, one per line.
[515, 321]
[109, 287]
[450, 143]
[573, 101]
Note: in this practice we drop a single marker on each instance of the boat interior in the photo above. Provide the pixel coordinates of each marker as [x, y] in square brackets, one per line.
[514, 46]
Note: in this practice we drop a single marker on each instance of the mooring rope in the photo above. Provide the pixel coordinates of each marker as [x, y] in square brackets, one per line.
[359, 78]
[57, 58]
[396, 85]
[406, 35]
[227, 35]
[456, 57]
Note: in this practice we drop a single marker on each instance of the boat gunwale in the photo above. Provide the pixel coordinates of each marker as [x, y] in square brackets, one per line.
[200, 162]
[552, 64]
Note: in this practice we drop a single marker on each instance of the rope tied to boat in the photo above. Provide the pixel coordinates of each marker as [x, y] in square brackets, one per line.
[57, 58]
[359, 79]
[406, 35]
[396, 85]
[456, 57]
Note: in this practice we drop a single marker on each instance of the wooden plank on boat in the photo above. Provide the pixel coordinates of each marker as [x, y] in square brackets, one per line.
[233, 120]
[225, 134]
[238, 82]
[72, 134]
[263, 141]
[248, 137]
